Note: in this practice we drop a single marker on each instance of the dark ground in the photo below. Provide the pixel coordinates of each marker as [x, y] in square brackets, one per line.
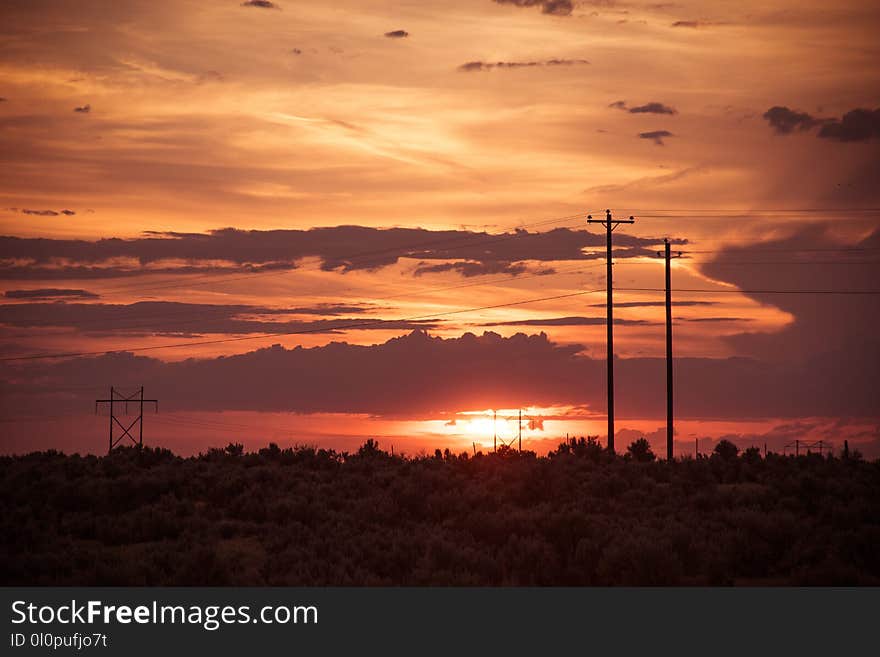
[314, 517]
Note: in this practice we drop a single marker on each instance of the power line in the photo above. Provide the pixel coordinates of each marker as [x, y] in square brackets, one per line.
[722, 263]
[741, 210]
[791, 249]
[745, 291]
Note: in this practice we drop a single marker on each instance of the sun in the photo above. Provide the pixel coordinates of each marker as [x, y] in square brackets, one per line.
[478, 427]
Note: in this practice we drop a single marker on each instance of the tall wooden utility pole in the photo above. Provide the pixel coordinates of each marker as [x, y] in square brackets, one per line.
[667, 255]
[610, 224]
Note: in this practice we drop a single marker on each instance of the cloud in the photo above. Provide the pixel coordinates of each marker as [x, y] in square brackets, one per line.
[418, 375]
[49, 293]
[647, 108]
[262, 4]
[9, 270]
[470, 269]
[397, 34]
[165, 318]
[83, 109]
[340, 248]
[571, 321]
[488, 66]
[785, 121]
[652, 108]
[656, 135]
[825, 327]
[715, 319]
[553, 7]
[330, 309]
[47, 213]
[856, 125]
[41, 213]
[695, 24]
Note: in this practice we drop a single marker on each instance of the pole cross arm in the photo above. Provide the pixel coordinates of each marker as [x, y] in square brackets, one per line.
[155, 402]
[609, 220]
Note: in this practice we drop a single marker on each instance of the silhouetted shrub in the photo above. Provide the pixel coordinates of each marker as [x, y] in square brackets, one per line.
[640, 451]
[726, 450]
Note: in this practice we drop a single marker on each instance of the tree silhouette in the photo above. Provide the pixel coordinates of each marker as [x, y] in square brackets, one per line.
[369, 448]
[640, 451]
[235, 449]
[751, 455]
[726, 450]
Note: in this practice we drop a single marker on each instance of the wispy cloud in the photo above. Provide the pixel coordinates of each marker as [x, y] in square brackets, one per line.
[695, 24]
[262, 4]
[488, 66]
[553, 7]
[49, 293]
[657, 136]
[571, 321]
[46, 213]
[647, 108]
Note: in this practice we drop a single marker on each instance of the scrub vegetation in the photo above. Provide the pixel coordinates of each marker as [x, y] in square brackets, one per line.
[307, 516]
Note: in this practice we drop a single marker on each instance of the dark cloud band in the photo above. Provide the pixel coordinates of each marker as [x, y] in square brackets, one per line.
[340, 248]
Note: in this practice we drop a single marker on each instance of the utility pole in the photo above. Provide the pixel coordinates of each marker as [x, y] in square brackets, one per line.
[666, 255]
[119, 398]
[494, 430]
[610, 224]
[520, 430]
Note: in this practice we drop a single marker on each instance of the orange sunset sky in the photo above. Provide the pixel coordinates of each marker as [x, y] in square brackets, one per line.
[389, 189]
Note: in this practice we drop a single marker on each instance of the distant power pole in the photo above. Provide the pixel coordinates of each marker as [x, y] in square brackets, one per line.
[494, 431]
[669, 409]
[520, 430]
[116, 398]
[610, 224]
